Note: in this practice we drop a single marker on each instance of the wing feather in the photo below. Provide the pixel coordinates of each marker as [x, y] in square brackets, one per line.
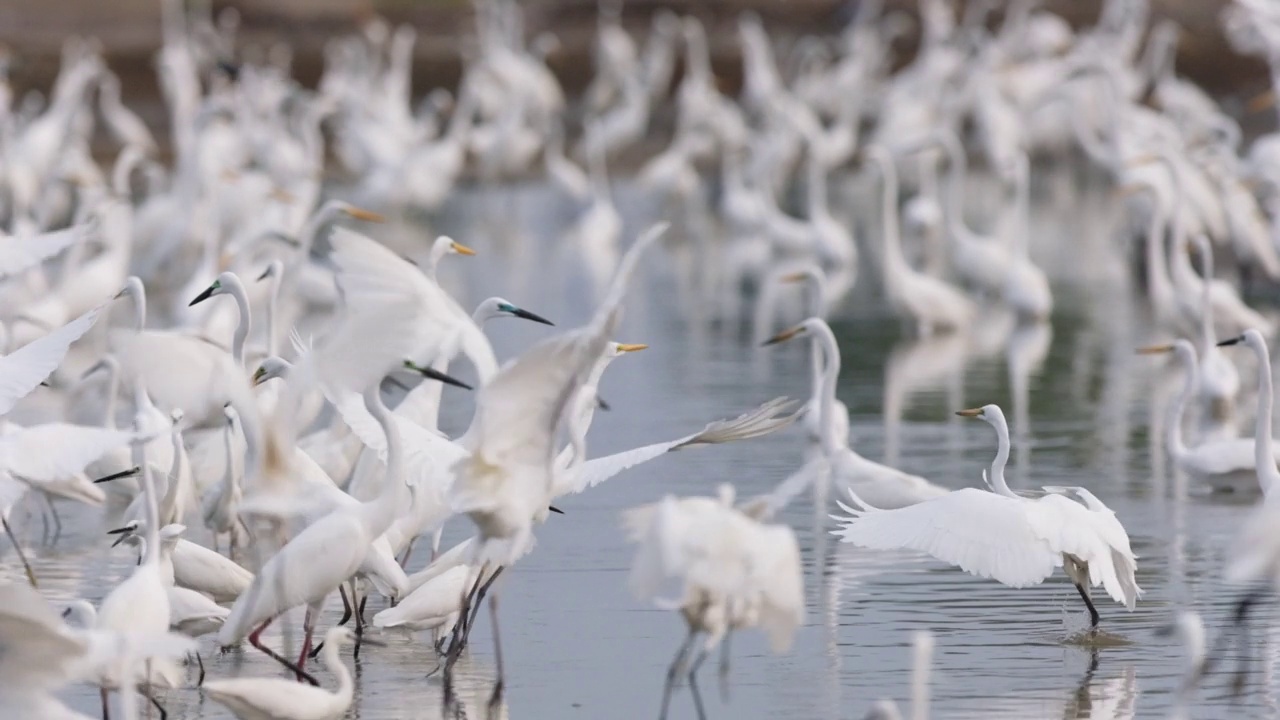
[25, 368]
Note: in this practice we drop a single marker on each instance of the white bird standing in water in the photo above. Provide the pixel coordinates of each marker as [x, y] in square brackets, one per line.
[998, 534]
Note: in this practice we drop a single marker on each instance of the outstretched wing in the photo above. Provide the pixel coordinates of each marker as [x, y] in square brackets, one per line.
[761, 421]
[22, 252]
[25, 368]
[54, 451]
[982, 533]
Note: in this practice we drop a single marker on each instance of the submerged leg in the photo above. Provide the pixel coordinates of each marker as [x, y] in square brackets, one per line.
[346, 605]
[106, 710]
[200, 663]
[673, 673]
[408, 549]
[359, 621]
[256, 641]
[31, 576]
[1093, 611]
[495, 700]
[724, 668]
[308, 628]
[475, 608]
[693, 684]
[156, 703]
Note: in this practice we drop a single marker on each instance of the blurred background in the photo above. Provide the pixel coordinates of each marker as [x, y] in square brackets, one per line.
[130, 32]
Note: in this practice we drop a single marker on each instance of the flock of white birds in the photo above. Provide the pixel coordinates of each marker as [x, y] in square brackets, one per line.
[309, 484]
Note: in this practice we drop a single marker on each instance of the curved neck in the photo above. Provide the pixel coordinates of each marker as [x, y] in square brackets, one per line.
[1263, 457]
[1022, 193]
[817, 305]
[152, 554]
[381, 511]
[1173, 433]
[817, 190]
[139, 297]
[998, 484]
[1159, 287]
[826, 406]
[955, 187]
[1208, 339]
[231, 487]
[113, 393]
[334, 663]
[894, 263]
[273, 300]
[245, 324]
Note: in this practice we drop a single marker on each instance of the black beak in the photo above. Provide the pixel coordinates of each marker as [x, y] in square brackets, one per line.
[121, 530]
[208, 293]
[120, 539]
[265, 274]
[1231, 341]
[522, 313]
[116, 476]
[555, 509]
[436, 375]
[600, 403]
[45, 383]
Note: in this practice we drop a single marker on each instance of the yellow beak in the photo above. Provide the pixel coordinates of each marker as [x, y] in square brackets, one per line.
[793, 277]
[281, 195]
[971, 412]
[366, 215]
[631, 348]
[462, 249]
[1155, 349]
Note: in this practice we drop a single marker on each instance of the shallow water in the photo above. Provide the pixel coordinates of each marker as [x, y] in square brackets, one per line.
[576, 644]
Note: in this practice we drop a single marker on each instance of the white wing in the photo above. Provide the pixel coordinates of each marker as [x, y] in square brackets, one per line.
[19, 253]
[765, 506]
[35, 646]
[755, 423]
[777, 578]
[25, 368]
[985, 534]
[56, 450]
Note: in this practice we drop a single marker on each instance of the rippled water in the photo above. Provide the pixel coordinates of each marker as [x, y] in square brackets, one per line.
[578, 646]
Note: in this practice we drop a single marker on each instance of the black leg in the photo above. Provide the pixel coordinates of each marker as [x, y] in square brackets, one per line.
[31, 576]
[200, 664]
[359, 621]
[105, 694]
[1093, 612]
[693, 684]
[163, 715]
[673, 672]
[475, 606]
[346, 605]
[495, 700]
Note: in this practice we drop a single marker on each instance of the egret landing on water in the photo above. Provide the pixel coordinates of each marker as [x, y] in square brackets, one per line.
[998, 534]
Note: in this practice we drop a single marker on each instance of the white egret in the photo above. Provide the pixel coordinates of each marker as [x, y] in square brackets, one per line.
[194, 566]
[275, 699]
[922, 643]
[923, 301]
[1000, 535]
[890, 487]
[736, 572]
[1223, 464]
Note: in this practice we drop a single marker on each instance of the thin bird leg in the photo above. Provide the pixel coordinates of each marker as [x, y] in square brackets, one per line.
[255, 640]
[31, 576]
[404, 559]
[1239, 618]
[693, 684]
[106, 711]
[724, 668]
[475, 610]
[1093, 612]
[359, 621]
[308, 623]
[673, 672]
[57, 521]
[148, 695]
[495, 700]
[200, 663]
[346, 605]
[463, 627]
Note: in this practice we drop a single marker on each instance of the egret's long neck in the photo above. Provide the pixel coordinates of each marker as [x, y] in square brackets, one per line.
[346, 687]
[152, 554]
[998, 483]
[1208, 340]
[244, 326]
[382, 510]
[1173, 433]
[817, 303]
[958, 168]
[1263, 456]
[831, 371]
[113, 393]
[422, 404]
[139, 297]
[894, 263]
[273, 300]
[1159, 287]
[1021, 234]
[232, 488]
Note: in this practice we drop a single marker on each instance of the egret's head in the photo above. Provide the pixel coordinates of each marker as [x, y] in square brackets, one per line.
[445, 245]
[988, 413]
[132, 288]
[274, 269]
[792, 332]
[225, 283]
[175, 416]
[125, 533]
[496, 307]
[1250, 338]
[272, 367]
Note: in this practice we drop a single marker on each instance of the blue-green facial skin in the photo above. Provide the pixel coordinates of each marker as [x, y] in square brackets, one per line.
[507, 308]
